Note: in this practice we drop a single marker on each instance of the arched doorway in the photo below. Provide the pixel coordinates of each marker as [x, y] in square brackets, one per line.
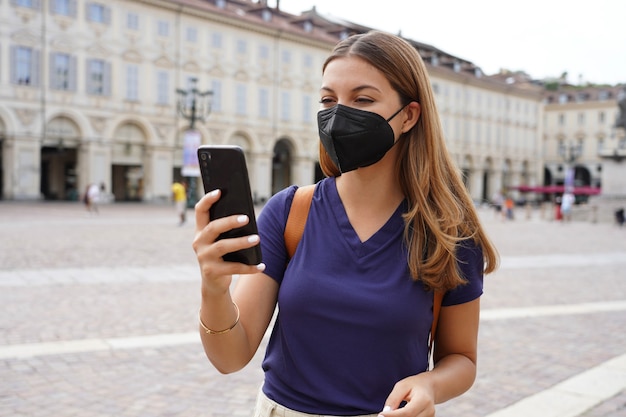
[547, 176]
[127, 159]
[488, 169]
[582, 176]
[59, 157]
[466, 169]
[3, 130]
[281, 165]
[506, 174]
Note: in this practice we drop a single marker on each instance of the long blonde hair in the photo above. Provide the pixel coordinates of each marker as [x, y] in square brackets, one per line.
[440, 210]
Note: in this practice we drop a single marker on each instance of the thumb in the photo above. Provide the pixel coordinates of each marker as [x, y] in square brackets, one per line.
[386, 409]
[398, 395]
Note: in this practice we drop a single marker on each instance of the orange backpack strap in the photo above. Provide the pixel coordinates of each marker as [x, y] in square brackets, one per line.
[296, 220]
[437, 298]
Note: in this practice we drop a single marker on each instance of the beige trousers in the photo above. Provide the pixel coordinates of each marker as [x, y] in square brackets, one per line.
[268, 408]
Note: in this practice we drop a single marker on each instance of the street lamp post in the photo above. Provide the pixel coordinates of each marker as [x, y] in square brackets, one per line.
[570, 153]
[195, 106]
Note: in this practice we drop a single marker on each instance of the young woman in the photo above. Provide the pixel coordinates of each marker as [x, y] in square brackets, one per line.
[391, 224]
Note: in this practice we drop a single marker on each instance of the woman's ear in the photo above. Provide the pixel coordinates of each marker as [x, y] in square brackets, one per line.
[412, 114]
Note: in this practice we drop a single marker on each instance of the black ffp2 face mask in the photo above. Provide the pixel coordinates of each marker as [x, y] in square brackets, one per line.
[354, 138]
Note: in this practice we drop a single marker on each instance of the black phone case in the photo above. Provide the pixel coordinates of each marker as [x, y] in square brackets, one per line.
[224, 167]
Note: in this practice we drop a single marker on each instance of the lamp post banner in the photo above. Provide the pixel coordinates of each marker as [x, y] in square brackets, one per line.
[569, 177]
[191, 143]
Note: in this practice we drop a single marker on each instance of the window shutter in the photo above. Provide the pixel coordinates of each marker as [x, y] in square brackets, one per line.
[35, 70]
[106, 83]
[14, 64]
[72, 74]
[89, 81]
[53, 79]
[72, 8]
[107, 15]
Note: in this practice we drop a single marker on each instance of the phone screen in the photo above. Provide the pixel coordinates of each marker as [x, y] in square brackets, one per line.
[224, 168]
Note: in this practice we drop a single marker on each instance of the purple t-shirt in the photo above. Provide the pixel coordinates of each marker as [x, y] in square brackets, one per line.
[351, 321]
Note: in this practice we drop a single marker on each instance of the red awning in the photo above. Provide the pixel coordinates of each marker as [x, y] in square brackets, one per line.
[557, 189]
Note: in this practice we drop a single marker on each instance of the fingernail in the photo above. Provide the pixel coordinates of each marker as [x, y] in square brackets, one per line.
[386, 408]
[253, 238]
[261, 267]
[214, 193]
[242, 219]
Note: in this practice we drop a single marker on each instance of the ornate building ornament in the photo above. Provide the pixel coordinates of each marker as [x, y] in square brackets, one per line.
[132, 55]
[25, 116]
[97, 123]
[25, 37]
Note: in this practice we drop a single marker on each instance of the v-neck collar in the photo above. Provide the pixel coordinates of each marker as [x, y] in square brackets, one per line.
[382, 236]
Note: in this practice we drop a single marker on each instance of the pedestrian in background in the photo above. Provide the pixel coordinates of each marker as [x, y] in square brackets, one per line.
[497, 201]
[567, 203]
[179, 195]
[509, 206]
[391, 224]
[92, 198]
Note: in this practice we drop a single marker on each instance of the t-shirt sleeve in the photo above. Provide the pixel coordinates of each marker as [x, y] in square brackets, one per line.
[271, 225]
[471, 266]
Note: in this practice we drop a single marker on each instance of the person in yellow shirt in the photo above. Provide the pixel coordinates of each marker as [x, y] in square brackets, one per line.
[179, 192]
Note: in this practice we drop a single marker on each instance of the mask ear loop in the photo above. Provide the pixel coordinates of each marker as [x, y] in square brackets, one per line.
[396, 113]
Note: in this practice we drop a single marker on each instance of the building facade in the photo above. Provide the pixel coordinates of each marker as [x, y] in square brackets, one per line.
[579, 129]
[88, 94]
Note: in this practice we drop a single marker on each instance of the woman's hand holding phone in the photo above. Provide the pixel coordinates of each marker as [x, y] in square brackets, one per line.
[217, 273]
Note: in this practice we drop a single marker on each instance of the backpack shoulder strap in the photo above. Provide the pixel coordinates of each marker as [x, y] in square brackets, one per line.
[296, 220]
[437, 298]
[294, 228]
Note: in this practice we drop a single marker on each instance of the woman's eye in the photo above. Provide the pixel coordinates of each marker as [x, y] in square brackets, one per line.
[364, 100]
[326, 100]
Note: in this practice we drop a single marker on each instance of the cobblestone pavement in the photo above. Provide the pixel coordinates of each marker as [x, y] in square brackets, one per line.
[98, 317]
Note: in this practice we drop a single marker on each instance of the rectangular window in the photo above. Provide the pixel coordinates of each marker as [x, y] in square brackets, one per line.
[264, 52]
[601, 118]
[561, 119]
[307, 108]
[240, 99]
[286, 57]
[62, 72]
[242, 46]
[264, 103]
[132, 21]
[24, 66]
[216, 40]
[581, 119]
[308, 61]
[216, 99]
[285, 106]
[30, 4]
[163, 87]
[98, 13]
[163, 28]
[98, 77]
[132, 82]
[63, 7]
[192, 34]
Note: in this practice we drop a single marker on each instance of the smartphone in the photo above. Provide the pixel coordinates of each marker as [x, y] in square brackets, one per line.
[224, 167]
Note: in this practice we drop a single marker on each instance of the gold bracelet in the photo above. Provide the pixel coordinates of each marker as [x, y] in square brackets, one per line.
[209, 331]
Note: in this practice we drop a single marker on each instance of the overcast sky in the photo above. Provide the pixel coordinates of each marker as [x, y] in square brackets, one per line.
[541, 37]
